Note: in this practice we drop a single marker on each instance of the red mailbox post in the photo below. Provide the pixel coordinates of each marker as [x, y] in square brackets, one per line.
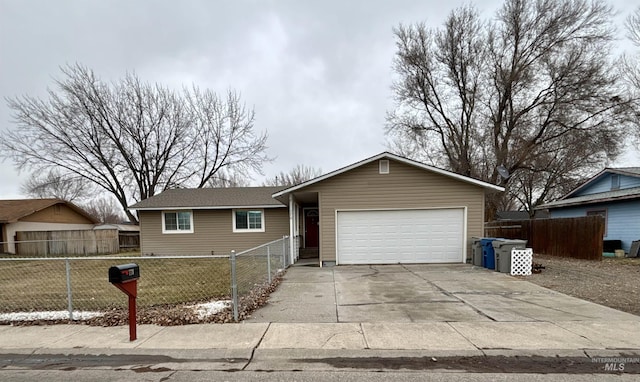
[125, 277]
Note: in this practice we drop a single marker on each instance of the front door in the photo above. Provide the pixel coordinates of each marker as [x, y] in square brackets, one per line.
[311, 228]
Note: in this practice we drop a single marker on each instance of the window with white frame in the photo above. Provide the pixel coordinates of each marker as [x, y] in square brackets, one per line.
[177, 222]
[248, 221]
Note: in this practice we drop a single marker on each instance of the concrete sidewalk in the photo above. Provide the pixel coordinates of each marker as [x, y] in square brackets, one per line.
[451, 337]
[311, 347]
[441, 311]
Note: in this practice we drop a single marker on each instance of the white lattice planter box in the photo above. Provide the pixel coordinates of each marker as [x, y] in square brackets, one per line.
[521, 261]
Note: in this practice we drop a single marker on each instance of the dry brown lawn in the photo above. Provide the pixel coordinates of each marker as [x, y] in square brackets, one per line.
[40, 285]
[613, 282]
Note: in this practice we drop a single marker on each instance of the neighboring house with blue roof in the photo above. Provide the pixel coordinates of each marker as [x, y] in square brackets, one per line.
[613, 193]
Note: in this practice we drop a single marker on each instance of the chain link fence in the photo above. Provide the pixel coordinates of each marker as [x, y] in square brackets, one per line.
[253, 270]
[76, 285]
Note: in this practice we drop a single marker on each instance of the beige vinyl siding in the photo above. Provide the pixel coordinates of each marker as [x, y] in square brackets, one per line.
[212, 231]
[404, 186]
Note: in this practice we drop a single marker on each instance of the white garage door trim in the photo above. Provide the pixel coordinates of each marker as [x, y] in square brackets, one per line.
[418, 251]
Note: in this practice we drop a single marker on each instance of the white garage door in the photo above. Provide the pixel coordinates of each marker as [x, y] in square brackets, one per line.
[400, 236]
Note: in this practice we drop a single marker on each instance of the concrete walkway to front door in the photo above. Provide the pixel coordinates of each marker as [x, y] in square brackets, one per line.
[421, 293]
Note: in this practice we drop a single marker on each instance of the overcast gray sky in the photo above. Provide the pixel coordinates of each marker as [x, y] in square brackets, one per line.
[317, 72]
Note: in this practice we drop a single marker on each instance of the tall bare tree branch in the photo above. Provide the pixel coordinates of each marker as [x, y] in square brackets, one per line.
[131, 138]
[516, 91]
[54, 184]
[296, 175]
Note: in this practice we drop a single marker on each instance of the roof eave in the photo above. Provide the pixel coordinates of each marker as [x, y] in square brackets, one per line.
[205, 207]
[487, 186]
[81, 212]
[595, 201]
[583, 185]
[596, 177]
[52, 202]
[623, 172]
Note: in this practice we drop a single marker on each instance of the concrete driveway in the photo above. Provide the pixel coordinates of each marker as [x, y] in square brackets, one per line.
[421, 293]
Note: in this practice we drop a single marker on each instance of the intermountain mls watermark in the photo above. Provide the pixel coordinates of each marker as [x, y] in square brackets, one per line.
[615, 363]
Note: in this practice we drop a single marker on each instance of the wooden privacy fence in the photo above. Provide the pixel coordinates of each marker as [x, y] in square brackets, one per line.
[65, 243]
[580, 238]
[129, 240]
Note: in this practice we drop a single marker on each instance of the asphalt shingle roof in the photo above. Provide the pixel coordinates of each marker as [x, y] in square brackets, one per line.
[203, 198]
[627, 193]
[13, 210]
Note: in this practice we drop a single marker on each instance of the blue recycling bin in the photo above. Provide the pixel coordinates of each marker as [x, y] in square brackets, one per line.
[488, 254]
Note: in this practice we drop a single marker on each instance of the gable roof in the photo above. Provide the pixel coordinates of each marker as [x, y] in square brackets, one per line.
[628, 171]
[601, 197]
[388, 155]
[211, 198]
[14, 210]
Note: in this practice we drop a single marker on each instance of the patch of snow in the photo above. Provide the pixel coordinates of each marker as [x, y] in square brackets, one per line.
[210, 308]
[203, 310]
[51, 315]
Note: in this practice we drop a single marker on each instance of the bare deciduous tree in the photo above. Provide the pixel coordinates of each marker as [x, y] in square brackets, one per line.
[630, 67]
[54, 184]
[438, 91]
[225, 179]
[133, 139]
[105, 210]
[632, 23]
[534, 91]
[296, 175]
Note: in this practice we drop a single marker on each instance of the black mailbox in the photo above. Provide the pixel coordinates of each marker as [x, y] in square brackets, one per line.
[124, 273]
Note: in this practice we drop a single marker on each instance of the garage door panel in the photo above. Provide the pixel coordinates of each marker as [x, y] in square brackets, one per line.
[400, 236]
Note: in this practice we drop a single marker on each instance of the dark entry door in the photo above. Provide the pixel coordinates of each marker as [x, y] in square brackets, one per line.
[311, 228]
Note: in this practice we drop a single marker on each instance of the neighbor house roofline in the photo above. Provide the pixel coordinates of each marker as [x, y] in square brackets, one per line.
[601, 197]
[628, 171]
[15, 209]
[398, 158]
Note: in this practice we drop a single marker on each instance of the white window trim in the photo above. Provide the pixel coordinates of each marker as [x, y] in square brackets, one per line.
[246, 230]
[177, 231]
